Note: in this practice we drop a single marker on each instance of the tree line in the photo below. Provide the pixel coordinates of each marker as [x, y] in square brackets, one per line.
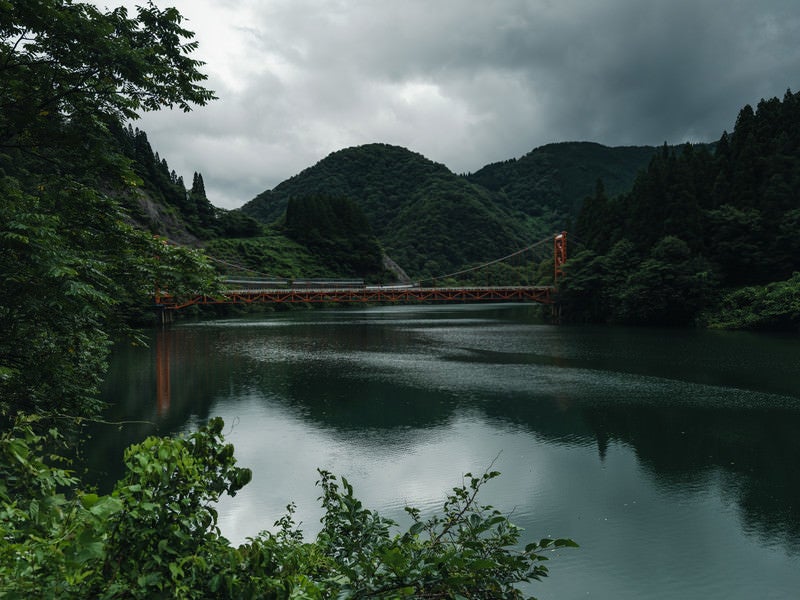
[708, 234]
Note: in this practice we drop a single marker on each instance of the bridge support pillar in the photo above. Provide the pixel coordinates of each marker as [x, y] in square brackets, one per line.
[559, 255]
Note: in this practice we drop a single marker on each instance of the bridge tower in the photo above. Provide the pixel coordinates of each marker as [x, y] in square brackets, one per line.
[559, 255]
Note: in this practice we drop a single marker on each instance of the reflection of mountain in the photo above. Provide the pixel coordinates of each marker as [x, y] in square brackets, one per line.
[348, 378]
[299, 371]
[754, 451]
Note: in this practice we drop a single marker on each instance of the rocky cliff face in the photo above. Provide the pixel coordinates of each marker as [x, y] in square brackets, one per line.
[158, 219]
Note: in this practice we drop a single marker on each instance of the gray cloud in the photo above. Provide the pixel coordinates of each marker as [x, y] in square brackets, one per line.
[465, 82]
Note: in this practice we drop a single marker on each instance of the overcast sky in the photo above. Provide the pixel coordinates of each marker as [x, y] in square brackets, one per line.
[463, 82]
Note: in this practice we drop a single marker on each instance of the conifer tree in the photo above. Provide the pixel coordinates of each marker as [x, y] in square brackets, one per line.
[201, 205]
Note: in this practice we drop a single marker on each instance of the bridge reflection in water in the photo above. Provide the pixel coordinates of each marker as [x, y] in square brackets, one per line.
[162, 372]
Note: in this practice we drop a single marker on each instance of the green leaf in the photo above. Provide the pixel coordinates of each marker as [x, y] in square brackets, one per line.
[89, 500]
[416, 528]
[106, 506]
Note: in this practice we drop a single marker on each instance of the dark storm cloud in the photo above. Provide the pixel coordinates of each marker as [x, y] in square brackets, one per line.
[466, 82]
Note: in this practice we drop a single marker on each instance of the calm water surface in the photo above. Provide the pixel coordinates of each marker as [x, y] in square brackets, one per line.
[671, 457]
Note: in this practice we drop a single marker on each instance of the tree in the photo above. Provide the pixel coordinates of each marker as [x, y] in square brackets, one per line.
[668, 288]
[198, 187]
[70, 266]
[65, 66]
[197, 195]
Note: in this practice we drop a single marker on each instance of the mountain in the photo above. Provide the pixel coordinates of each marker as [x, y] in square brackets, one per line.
[428, 219]
[552, 181]
[432, 221]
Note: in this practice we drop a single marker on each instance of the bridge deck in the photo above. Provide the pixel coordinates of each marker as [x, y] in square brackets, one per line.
[541, 294]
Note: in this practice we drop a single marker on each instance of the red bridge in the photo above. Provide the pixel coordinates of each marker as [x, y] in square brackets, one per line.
[277, 291]
[367, 294]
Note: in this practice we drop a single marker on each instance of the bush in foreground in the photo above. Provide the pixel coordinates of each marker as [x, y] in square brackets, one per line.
[156, 534]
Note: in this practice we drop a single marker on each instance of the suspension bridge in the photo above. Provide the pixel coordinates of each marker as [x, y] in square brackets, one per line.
[272, 290]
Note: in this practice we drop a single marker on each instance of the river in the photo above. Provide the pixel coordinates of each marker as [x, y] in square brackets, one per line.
[670, 456]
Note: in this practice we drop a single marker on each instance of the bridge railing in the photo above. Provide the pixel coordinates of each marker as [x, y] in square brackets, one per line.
[249, 290]
[367, 294]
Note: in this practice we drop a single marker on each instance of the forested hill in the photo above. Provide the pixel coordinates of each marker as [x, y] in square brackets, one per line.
[431, 220]
[428, 219]
[554, 179]
[378, 176]
[700, 231]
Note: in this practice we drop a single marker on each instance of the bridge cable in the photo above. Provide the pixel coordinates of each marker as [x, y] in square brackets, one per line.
[461, 272]
[492, 262]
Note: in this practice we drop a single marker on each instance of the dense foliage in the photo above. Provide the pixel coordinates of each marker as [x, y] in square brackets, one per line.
[550, 182]
[730, 218]
[337, 231]
[772, 306]
[71, 268]
[156, 534]
[72, 272]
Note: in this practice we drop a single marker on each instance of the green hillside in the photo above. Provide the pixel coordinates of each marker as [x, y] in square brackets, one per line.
[381, 177]
[432, 221]
[551, 181]
[428, 219]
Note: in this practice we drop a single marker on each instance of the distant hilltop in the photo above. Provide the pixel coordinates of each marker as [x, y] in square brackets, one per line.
[429, 219]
